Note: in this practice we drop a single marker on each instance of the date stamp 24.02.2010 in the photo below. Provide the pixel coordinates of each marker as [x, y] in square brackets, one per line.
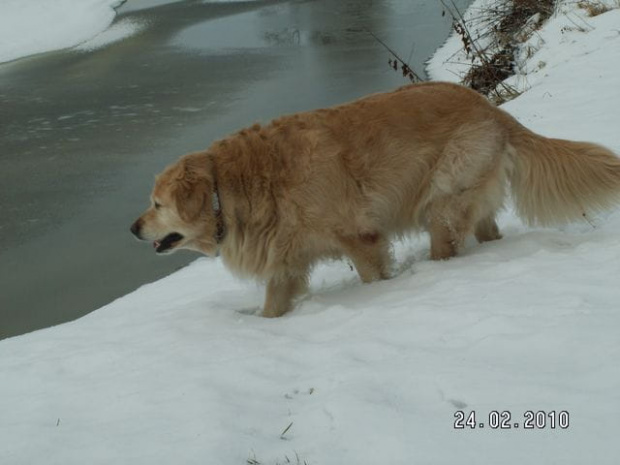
[502, 420]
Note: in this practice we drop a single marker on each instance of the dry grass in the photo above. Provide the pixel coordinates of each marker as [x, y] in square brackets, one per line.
[594, 8]
[491, 41]
[518, 12]
[493, 70]
[286, 461]
[505, 25]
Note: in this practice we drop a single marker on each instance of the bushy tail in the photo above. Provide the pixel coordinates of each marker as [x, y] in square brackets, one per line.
[557, 181]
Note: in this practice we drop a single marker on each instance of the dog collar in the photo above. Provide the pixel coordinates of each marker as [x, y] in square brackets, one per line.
[217, 212]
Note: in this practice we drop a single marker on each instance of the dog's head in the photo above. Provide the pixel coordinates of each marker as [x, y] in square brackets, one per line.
[181, 215]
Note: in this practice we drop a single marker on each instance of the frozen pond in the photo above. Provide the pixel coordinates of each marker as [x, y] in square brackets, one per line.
[84, 132]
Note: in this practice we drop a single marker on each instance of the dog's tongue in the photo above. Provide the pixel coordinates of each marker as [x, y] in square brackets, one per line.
[156, 244]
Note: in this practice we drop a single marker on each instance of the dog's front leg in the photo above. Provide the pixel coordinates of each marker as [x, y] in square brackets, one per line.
[281, 291]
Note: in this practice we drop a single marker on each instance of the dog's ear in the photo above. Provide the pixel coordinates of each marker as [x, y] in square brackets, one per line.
[191, 188]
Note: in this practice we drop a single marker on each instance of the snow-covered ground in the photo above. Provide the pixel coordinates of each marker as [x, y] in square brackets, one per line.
[29, 27]
[182, 371]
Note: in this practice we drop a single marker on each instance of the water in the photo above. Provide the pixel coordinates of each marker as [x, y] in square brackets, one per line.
[83, 134]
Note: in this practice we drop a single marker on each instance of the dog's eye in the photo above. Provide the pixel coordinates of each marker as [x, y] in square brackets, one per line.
[157, 205]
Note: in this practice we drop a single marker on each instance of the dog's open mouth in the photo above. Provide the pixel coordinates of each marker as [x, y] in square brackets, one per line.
[167, 243]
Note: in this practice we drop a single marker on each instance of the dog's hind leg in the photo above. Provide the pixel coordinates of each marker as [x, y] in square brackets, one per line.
[467, 187]
[487, 230]
[450, 220]
[370, 254]
[281, 292]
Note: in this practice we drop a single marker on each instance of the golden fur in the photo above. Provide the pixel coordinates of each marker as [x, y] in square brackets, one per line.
[342, 181]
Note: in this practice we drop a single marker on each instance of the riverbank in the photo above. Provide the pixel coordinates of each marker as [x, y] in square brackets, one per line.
[183, 371]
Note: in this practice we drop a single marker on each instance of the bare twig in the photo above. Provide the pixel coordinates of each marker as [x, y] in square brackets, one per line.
[405, 68]
[285, 430]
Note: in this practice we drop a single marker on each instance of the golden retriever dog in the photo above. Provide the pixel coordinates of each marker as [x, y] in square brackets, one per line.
[341, 182]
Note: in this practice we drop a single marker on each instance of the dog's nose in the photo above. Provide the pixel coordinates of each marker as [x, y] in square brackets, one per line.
[135, 228]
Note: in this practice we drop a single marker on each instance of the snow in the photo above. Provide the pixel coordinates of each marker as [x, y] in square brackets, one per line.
[183, 371]
[28, 27]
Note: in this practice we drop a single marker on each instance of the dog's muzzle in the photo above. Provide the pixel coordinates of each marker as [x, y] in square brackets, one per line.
[136, 229]
[163, 245]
